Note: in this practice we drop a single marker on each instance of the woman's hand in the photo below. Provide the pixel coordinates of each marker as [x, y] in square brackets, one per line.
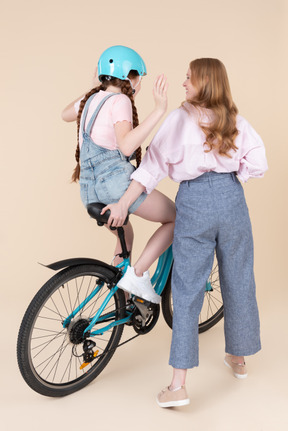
[118, 214]
[119, 211]
[160, 93]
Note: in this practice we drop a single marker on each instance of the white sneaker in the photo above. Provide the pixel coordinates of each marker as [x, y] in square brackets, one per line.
[139, 286]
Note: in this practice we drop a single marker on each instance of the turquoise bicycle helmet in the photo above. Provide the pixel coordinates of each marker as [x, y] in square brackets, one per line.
[118, 60]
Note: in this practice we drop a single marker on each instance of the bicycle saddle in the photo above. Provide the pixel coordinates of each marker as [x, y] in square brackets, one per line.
[94, 209]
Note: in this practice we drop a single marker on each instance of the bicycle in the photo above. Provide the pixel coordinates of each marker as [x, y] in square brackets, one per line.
[74, 323]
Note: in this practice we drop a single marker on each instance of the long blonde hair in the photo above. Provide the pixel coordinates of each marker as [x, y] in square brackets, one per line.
[126, 88]
[210, 78]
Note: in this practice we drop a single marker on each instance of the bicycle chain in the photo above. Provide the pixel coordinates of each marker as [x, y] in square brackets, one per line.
[110, 350]
[119, 345]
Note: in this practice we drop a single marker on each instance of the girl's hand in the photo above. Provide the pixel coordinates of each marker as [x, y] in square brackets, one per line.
[160, 93]
[118, 214]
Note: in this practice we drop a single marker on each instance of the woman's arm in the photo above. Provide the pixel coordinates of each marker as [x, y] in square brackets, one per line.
[253, 162]
[129, 139]
[153, 168]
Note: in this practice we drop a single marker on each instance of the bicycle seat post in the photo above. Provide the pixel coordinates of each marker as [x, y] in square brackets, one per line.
[94, 210]
[125, 253]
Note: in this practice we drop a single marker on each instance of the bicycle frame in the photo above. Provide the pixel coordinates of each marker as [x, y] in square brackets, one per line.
[158, 280]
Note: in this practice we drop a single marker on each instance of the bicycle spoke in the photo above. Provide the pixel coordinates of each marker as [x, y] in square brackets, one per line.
[78, 292]
[49, 318]
[213, 297]
[46, 330]
[56, 307]
[61, 351]
[68, 366]
[209, 308]
[50, 358]
[68, 291]
[52, 311]
[63, 302]
[86, 295]
[56, 353]
[47, 343]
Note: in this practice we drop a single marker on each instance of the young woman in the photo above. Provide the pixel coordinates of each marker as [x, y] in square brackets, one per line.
[108, 136]
[205, 145]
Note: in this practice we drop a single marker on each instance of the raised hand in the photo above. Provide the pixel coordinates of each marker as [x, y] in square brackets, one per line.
[160, 92]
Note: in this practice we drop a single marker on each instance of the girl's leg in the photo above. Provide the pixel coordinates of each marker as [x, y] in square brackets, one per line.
[158, 208]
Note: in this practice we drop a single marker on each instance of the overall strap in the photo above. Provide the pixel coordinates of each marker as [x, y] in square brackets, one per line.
[95, 113]
[84, 113]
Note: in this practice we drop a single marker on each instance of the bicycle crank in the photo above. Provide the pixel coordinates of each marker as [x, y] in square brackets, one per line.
[146, 315]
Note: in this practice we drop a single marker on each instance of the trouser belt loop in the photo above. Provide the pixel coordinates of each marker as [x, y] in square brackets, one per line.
[210, 180]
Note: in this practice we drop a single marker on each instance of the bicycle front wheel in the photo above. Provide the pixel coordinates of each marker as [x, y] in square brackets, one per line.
[50, 356]
[212, 309]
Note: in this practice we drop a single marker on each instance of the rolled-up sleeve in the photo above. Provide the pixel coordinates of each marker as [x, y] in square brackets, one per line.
[163, 153]
[253, 162]
[152, 169]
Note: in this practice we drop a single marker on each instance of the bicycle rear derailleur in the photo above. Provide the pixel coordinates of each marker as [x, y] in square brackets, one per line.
[89, 355]
[145, 316]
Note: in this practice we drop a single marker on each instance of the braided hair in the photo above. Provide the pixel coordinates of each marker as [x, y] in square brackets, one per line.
[126, 89]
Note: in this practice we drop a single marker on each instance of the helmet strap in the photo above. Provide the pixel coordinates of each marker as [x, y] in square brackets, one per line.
[134, 88]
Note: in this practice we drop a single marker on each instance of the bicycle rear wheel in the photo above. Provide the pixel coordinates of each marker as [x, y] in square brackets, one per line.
[49, 355]
[212, 309]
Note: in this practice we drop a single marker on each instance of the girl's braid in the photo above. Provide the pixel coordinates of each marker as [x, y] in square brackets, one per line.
[76, 173]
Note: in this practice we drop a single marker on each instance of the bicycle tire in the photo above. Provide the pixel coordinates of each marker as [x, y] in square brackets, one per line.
[212, 311]
[48, 354]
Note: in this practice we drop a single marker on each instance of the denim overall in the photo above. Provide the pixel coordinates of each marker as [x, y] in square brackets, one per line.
[104, 174]
[212, 215]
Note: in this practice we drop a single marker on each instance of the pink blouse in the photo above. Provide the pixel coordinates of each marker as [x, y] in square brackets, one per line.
[177, 151]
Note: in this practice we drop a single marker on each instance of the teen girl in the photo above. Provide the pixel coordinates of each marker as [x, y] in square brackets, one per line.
[108, 135]
[203, 145]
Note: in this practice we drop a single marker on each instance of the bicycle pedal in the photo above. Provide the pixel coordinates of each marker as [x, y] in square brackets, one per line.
[87, 363]
[142, 301]
[145, 307]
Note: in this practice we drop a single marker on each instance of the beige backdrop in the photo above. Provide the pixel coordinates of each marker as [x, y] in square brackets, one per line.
[49, 50]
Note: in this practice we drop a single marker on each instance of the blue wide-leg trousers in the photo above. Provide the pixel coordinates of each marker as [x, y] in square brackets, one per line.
[212, 215]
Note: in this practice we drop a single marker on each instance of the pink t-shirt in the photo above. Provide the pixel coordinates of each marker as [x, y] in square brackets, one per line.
[178, 151]
[116, 108]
